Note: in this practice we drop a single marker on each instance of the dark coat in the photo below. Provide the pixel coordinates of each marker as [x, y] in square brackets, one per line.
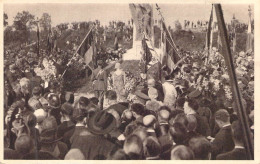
[95, 146]
[223, 142]
[66, 130]
[235, 154]
[118, 107]
[79, 131]
[202, 125]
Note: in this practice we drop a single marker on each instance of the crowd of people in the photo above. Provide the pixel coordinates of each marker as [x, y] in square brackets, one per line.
[188, 115]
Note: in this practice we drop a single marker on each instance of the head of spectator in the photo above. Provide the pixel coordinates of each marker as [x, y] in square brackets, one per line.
[74, 154]
[137, 110]
[149, 121]
[119, 155]
[69, 97]
[34, 104]
[133, 147]
[182, 152]
[178, 133]
[201, 148]
[100, 63]
[151, 83]
[164, 114]
[31, 120]
[24, 144]
[152, 105]
[66, 111]
[192, 123]
[190, 106]
[152, 148]
[222, 118]
[141, 132]
[94, 100]
[24, 83]
[54, 101]
[40, 115]
[111, 97]
[180, 118]
[83, 103]
[179, 103]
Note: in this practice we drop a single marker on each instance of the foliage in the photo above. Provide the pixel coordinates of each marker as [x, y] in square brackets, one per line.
[177, 25]
[45, 22]
[5, 19]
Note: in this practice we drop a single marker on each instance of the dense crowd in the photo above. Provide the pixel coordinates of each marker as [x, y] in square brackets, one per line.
[188, 115]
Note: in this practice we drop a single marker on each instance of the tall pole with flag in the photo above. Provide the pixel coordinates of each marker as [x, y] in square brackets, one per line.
[87, 50]
[38, 37]
[249, 42]
[170, 56]
[242, 114]
[209, 35]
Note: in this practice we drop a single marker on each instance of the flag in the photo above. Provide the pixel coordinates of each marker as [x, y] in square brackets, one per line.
[169, 56]
[49, 40]
[146, 55]
[249, 41]
[209, 35]
[87, 49]
[142, 15]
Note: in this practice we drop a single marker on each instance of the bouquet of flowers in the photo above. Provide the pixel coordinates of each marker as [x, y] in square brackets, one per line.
[47, 73]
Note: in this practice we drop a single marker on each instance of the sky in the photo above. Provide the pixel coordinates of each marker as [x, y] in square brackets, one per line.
[62, 12]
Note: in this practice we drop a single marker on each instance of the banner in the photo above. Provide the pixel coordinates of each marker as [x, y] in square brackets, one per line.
[249, 41]
[87, 48]
[209, 35]
[170, 55]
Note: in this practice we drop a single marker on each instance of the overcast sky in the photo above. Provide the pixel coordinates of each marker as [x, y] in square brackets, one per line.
[61, 13]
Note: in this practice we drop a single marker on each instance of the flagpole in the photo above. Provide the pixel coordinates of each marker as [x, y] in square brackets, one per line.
[242, 114]
[163, 23]
[76, 52]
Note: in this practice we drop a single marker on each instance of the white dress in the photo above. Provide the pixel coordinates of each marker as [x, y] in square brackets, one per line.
[170, 94]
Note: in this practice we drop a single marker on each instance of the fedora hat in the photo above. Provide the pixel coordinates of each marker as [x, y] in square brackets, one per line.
[101, 122]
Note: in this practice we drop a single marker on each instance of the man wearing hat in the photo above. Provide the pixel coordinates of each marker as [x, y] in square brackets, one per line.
[99, 79]
[96, 145]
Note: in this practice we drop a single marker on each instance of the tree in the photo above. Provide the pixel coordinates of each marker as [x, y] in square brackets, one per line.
[23, 22]
[45, 22]
[5, 19]
[178, 26]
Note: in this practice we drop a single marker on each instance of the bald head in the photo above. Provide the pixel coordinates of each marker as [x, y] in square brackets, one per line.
[182, 152]
[133, 146]
[74, 154]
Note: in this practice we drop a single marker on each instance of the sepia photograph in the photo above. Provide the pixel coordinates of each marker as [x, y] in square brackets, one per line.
[128, 81]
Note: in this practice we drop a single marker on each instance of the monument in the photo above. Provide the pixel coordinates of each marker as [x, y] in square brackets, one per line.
[142, 15]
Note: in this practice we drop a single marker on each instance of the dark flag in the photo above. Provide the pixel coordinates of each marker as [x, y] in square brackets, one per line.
[250, 36]
[209, 31]
[147, 55]
[38, 37]
[87, 49]
[49, 40]
[170, 54]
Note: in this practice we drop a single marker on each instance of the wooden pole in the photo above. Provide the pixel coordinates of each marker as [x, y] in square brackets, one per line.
[242, 114]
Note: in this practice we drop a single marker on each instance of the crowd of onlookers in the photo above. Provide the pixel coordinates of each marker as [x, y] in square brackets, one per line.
[189, 114]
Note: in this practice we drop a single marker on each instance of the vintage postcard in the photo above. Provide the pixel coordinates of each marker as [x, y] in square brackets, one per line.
[160, 80]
